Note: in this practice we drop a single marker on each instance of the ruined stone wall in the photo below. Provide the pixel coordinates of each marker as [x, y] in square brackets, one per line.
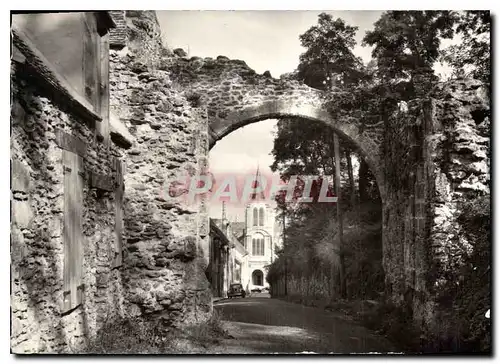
[459, 169]
[437, 158]
[166, 238]
[427, 161]
[39, 323]
[404, 225]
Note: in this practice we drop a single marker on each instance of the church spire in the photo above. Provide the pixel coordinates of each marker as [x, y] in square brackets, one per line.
[257, 180]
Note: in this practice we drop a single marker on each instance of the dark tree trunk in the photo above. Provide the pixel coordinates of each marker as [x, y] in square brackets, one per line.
[339, 216]
[363, 181]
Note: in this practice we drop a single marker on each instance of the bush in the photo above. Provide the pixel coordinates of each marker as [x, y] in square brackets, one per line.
[467, 296]
[131, 335]
[395, 323]
[138, 335]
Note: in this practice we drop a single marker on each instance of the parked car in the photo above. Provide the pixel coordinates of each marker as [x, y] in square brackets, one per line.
[236, 290]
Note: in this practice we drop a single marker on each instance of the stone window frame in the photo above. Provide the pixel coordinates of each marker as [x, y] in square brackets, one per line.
[258, 216]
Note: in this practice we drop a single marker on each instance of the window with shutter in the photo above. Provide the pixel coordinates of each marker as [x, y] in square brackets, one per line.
[255, 216]
[73, 238]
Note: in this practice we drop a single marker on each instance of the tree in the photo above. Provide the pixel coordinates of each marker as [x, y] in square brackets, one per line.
[314, 233]
[406, 45]
[471, 58]
[329, 56]
[302, 148]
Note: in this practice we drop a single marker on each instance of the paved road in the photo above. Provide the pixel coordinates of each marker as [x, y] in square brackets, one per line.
[266, 325]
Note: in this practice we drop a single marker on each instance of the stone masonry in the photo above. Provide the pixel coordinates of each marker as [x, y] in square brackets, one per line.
[166, 239]
[178, 107]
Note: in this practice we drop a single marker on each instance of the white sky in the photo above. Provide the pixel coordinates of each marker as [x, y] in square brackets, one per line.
[265, 40]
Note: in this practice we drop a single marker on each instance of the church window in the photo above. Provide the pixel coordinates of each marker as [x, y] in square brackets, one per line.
[258, 246]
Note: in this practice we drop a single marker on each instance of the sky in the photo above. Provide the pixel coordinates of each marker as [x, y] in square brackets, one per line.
[266, 41]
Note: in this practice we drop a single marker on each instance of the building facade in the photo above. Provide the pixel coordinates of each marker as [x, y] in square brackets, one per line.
[67, 182]
[228, 258]
[219, 269]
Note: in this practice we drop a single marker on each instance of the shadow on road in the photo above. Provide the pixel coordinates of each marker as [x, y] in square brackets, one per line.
[264, 325]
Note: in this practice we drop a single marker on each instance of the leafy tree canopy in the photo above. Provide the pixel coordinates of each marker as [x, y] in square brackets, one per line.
[329, 54]
[471, 58]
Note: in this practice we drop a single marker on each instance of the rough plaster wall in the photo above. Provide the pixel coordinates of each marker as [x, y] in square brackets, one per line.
[166, 238]
[37, 229]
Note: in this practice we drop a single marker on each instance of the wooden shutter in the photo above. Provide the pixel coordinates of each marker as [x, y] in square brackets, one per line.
[119, 213]
[103, 126]
[73, 238]
[91, 61]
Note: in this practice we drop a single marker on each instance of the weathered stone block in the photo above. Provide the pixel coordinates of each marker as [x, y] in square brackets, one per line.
[20, 177]
[70, 143]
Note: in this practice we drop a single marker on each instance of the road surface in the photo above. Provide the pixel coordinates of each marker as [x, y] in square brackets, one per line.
[265, 325]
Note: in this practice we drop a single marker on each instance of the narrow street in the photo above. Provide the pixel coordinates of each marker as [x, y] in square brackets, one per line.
[265, 325]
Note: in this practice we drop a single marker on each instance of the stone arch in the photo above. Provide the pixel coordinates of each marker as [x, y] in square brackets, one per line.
[367, 142]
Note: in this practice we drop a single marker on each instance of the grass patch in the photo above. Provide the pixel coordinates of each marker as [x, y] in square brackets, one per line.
[137, 335]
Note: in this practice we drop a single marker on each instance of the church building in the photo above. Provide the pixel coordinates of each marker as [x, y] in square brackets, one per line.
[259, 240]
[255, 241]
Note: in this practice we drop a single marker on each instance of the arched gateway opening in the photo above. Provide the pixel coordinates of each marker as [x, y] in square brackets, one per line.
[367, 145]
[367, 142]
